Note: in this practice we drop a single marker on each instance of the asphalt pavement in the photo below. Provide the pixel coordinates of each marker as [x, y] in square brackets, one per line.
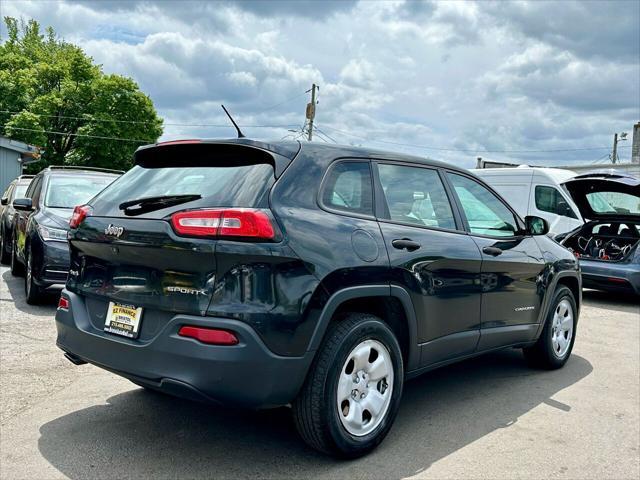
[491, 417]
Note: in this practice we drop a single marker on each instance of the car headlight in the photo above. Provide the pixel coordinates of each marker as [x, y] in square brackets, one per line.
[52, 234]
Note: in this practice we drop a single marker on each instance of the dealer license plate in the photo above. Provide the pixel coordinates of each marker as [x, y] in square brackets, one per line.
[123, 320]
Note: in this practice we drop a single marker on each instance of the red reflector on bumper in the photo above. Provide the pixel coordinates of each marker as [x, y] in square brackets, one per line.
[63, 303]
[211, 336]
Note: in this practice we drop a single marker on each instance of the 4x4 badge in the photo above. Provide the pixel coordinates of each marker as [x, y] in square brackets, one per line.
[114, 230]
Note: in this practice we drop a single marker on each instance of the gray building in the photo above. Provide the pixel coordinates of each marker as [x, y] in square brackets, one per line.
[14, 155]
[635, 145]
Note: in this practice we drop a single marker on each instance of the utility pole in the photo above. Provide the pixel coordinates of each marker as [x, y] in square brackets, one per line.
[614, 154]
[311, 110]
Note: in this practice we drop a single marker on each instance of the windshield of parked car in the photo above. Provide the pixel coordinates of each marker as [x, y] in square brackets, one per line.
[614, 202]
[67, 191]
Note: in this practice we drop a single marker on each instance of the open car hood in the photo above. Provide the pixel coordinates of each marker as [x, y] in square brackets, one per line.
[606, 195]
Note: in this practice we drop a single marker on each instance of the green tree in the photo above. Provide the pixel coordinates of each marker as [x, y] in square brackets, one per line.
[48, 85]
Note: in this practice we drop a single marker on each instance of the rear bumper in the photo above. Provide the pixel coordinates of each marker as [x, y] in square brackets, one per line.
[246, 375]
[622, 277]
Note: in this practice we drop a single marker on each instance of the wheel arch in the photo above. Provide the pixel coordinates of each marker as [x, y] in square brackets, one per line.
[392, 303]
[566, 278]
[573, 284]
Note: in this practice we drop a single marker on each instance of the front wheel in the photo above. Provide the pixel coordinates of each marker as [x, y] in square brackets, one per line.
[352, 393]
[553, 348]
[32, 290]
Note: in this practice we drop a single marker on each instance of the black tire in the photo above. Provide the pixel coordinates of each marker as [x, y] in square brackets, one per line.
[5, 256]
[17, 269]
[315, 409]
[542, 354]
[32, 290]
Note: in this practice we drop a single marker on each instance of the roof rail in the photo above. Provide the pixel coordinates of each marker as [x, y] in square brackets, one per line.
[78, 167]
[20, 177]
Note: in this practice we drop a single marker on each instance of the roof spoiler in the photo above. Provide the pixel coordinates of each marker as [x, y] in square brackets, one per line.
[193, 153]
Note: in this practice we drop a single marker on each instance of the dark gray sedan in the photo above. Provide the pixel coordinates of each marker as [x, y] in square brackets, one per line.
[607, 245]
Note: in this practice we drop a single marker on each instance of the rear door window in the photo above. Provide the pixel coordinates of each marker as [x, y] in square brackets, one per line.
[416, 196]
[549, 199]
[348, 188]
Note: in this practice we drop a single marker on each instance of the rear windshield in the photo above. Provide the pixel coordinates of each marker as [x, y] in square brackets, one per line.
[614, 202]
[219, 186]
[67, 191]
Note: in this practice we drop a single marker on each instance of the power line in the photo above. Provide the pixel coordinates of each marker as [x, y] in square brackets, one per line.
[325, 134]
[209, 125]
[89, 119]
[606, 156]
[82, 135]
[468, 150]
[322, 137]
[284, 101]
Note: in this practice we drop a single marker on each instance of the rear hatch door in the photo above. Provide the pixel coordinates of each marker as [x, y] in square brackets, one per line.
[127, 250]
[606, 195]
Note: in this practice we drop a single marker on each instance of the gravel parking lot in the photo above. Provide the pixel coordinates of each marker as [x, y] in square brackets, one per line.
[490, 417]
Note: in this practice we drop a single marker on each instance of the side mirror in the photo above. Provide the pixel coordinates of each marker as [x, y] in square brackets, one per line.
[4, 201]
[536, 225]
[23, 204]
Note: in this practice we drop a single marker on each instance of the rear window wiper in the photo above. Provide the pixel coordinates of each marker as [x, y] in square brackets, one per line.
[149, 204]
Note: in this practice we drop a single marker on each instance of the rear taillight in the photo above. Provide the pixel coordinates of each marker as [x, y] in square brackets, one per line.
[63, 303]
[212, 336]
[78, 215]
[232, 222]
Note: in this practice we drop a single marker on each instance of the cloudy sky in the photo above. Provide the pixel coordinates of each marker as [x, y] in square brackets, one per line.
[537, 82]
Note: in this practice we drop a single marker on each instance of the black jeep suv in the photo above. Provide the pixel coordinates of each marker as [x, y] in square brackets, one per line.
[259, 275]
[39, 245]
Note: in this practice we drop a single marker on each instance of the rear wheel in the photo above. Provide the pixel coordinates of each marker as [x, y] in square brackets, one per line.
[352, 393]
[553, 348]
[16, 267]
[31, 289]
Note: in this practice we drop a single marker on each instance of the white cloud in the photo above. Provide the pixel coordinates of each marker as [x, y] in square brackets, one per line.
[486, 75]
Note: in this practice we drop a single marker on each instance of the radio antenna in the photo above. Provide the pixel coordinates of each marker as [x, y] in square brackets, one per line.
[240, 135]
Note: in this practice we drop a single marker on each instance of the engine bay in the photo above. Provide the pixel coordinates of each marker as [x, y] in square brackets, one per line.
[611, 241]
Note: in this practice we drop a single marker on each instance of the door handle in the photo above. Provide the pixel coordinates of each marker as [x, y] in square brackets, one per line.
[405, 244]
[493, 251]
